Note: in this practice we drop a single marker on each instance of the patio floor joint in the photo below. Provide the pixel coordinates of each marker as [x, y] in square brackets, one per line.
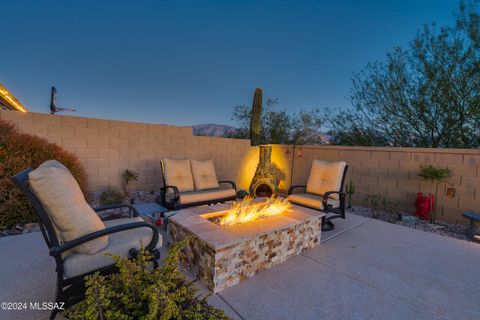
[230, 306]
[348, 229]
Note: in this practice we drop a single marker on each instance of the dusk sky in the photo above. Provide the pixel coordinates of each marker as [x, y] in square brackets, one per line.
[189, 63]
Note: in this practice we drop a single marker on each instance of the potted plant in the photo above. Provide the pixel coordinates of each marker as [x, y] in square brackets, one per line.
[435, 176]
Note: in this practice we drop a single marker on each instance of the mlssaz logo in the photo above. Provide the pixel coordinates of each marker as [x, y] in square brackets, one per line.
[47, 305]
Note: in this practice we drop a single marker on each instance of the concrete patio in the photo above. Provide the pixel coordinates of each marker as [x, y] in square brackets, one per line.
[364, 269]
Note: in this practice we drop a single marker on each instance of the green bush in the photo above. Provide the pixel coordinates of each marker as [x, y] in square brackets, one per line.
[111, 195]
[128, 176]
[138, 292]
[431, 173]
[19, 151]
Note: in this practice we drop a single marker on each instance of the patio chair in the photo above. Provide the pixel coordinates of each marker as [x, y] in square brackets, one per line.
[76, 237]
[324, 191]
[190, 183]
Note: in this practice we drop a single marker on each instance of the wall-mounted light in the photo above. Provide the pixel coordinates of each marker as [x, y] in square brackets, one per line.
[450, 192]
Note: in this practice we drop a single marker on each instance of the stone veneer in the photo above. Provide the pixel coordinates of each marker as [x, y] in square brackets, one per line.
[223, 256]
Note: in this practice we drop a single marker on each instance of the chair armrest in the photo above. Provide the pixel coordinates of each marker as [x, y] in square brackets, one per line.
[326, 195]
[117, 206]
[234, 186]
[97, 234]
[290, 190]
[176, 192]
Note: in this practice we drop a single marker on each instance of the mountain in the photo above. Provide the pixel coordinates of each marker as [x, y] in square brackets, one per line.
[212, 130]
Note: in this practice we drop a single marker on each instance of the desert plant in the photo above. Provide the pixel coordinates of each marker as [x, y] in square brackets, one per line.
[138, 292]
[435, 176]
[381, 203]
[111, 195]
[256, 118]
[431, 173]
[19, 151]
[350, 189]
[128, 176]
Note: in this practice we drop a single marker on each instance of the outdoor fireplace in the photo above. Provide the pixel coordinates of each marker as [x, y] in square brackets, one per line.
[263, 182]
[223, 255]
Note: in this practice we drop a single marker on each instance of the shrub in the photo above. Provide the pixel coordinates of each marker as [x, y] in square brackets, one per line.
[138, 292]
[19, 151]
[111, 195]
[128, 176]
[381, 203]
[431, 173]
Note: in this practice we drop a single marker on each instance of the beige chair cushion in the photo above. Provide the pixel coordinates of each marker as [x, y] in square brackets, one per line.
[311, 200]
[119, 244]
[178, 173]
[63, 200]
[206, 195]
[325, 176]
[204, 175]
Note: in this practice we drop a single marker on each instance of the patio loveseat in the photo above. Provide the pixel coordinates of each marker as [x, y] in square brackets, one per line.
[190, 182]
[324, 191]
[76, 237]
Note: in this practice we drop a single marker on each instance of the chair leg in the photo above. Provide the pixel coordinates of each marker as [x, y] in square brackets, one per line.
[59, 296]
[327, 225]
[53, 314]
[156, 257]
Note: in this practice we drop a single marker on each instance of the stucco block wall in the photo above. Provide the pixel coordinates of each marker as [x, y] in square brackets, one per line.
[393, 173]
[107, 147]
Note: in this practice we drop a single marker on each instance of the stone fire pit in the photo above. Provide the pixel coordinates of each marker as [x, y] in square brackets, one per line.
[223, 256]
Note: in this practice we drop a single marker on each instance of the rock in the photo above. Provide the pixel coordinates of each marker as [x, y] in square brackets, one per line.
[409, 219]
[31, 227]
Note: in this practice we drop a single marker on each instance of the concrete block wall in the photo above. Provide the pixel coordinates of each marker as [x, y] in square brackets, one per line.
[107, 147]
[393, 173]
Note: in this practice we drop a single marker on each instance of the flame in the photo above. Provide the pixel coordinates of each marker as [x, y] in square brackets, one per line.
[246, 210]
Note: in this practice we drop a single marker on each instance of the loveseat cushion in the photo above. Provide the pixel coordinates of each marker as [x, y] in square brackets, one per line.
[206, 195]
[312, 200]
[325, 176]
[178, 173]
[63, 200]
[204, 176]
[119, 244]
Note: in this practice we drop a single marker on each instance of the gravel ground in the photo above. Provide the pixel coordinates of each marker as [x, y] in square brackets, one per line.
[441, 228]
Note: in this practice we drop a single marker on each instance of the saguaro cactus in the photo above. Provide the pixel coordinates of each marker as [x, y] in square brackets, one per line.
[350, 189]
[256, 118]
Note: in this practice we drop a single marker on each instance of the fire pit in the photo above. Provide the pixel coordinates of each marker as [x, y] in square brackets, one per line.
[223, 250]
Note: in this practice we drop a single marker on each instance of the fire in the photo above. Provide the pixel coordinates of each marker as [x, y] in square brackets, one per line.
[246, 210]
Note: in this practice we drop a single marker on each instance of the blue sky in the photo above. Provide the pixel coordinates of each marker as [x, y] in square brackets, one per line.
[190, 62]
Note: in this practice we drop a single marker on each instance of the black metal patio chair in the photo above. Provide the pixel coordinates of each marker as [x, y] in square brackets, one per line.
[70, 287]
[331, 202]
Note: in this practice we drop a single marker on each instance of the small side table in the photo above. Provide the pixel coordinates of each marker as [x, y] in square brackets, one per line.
[474, 231]
[150, 209]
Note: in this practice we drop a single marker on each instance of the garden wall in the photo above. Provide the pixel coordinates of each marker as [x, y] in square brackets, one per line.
[392, 172]
[107, 147]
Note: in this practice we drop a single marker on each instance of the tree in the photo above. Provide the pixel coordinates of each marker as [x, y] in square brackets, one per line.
[305, 127]
[280, 127]
[426, 95]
